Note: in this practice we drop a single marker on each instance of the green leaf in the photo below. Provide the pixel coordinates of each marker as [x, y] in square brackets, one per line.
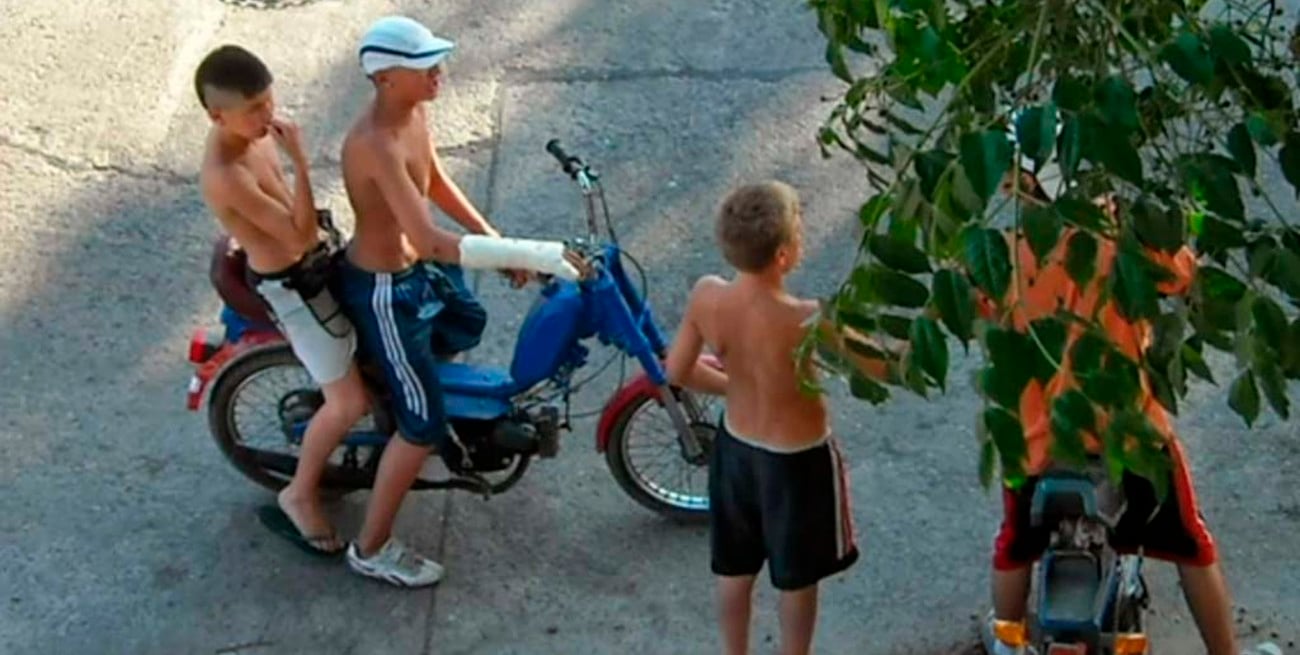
[1162, 229]
[1071, 146]
[1212, 177]
[985, 156]
[1072, 415]
[1086, 354]
[1009, 437]
[1261, 254]
[835, 57]
[1042, 230]
[1167, 336]
[1046, 334]
[864, 388]
[1218, 284]
[1218, 236]
[988, 259]
[898, 327]
[1010, 366]
[1289, 158]
[1118, 103]
[1134, 284]
[1070, 93]
[894, 288]
[1193, 362]
[873, 209]
[930, 350]
[1242, 148]
[1291, 350]
[1270, 321]
[1036, 131]
[930, 166]
[1228, 47]
[898, 255]
[1189, 58]
[1286, 273]
[1243, 398]
[1116, 385]
[1161, 387]
[956, 303]
[1274, 384]
[1081, 258]
[988, 459]
[1113, 149]
[1080, 212]
[1261, 130]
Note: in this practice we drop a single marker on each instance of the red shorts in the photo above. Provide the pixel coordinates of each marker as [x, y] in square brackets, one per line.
[1176, 533]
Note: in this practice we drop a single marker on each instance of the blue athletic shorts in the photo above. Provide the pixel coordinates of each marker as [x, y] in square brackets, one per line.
[405, 322]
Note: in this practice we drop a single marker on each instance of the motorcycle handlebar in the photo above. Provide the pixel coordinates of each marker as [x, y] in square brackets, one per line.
[570, 163]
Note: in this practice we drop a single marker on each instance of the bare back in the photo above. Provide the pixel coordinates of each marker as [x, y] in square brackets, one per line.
[379, 243]
[259, 165]
[756, 331]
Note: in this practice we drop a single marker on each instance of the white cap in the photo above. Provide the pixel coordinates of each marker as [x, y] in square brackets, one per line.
[399, 42]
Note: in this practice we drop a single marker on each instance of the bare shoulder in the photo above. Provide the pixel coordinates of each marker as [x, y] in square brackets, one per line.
[364, 147]
[220, 178]
[706, 290]
[804, 308]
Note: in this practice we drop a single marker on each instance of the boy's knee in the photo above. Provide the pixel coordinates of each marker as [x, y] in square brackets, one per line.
[349, 401]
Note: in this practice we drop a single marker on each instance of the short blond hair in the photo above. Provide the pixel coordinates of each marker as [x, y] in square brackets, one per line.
[754, 221]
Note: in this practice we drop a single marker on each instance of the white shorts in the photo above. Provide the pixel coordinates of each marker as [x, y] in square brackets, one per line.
[320, 335]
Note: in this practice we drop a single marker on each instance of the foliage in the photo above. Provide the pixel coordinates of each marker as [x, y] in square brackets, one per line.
[1171, 109]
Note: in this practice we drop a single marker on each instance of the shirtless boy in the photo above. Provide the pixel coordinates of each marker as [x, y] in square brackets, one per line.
[277, 227]
[400, 280]
[777, 484]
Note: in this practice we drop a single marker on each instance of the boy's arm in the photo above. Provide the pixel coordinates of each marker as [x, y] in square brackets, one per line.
[289, 138]
[472, 250]
[859, 350]
[447, 195]
[683, 365]
[407, 204]
[239, 190]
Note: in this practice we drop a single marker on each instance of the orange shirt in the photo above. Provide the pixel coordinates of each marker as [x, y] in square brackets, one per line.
[1037, 292]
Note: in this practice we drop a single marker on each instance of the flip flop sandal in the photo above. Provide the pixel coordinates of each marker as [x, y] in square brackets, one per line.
[278, 522]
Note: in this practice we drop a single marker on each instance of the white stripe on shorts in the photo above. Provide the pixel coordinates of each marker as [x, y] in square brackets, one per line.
[382, 303]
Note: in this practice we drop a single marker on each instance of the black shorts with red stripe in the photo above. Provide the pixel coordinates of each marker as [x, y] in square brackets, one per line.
[790, 509]
[1173, 531]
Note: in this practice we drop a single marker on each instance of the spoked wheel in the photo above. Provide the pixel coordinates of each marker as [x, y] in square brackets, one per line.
[651, 465]
[253, 407]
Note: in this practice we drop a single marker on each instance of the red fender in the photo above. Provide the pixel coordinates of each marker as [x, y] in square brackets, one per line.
[206, 370]
[639, 387]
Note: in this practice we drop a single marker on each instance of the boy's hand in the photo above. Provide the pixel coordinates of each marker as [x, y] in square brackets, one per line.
[518, 277]
[289, 137]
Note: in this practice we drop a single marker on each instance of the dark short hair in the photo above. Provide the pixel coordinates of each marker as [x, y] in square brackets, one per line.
[231, 68]
[754, 222]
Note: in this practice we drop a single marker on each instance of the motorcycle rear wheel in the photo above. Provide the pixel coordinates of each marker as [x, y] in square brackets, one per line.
[246, 387]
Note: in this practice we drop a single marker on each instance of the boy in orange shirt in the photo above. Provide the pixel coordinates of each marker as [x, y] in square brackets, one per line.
[1177, 531]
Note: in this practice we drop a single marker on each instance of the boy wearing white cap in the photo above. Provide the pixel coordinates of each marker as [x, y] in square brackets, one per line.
[400, 281]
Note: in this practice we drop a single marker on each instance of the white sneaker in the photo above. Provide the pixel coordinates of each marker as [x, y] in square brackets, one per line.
[1266, 648]
[396, 564]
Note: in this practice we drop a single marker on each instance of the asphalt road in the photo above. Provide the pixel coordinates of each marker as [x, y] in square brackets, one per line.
[124, 531]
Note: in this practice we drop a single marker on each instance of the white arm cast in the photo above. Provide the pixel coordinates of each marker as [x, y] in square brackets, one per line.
[478, 251]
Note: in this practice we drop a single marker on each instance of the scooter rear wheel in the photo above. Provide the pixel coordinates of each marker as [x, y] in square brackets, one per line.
[245, 419]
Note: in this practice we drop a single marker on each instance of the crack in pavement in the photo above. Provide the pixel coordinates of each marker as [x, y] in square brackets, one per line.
[69, 165]
[510, 76]
[576, 75]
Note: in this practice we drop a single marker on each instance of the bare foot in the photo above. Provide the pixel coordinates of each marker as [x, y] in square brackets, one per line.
[310, 521]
